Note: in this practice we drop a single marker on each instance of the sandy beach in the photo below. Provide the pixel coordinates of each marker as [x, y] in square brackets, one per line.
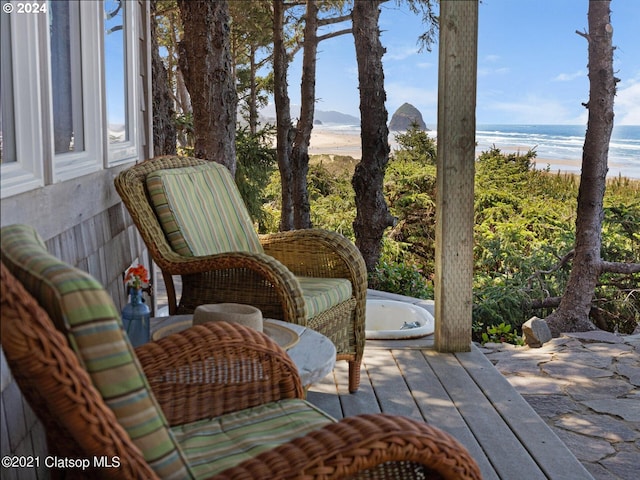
[325, 142]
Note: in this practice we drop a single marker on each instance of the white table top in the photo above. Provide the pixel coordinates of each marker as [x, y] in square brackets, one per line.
[314, 354]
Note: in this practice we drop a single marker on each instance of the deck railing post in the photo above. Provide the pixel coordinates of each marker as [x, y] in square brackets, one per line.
[458, 54]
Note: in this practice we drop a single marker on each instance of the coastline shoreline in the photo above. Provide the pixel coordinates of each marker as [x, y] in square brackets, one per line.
[332, 142]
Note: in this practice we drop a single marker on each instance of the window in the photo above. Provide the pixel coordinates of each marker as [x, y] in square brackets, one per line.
[75, 88]
[20, 104]
[68, 91]
[7, 127]
[66, 77]
[120, 80]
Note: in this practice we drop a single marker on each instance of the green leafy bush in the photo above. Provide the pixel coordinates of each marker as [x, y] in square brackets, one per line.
[501, 333]
[524, 226]
[416, 146]
[400, 278]
[256, 161]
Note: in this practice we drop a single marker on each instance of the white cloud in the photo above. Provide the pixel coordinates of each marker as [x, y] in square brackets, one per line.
[492, 58]
[532, 109]
[627, 103]
[400, 52]
[487, 71]
[567, 77]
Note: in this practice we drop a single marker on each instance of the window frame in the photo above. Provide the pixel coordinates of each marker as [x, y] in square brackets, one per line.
[122, 152]
[27, 172]
[69, 165]
[36, 163]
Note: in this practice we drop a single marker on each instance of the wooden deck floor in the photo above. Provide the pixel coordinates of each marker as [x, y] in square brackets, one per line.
[462, 394]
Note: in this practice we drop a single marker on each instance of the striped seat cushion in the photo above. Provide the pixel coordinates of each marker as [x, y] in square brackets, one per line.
[212, 446]
[85, 313]
[320, 294]
[201, 211]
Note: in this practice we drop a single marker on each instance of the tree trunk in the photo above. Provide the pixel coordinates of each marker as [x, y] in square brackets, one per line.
[182, 95]
[372, 217]
[205, 62]
[284, 129]
[164, 127]
[253, 94]
[573, 312]
[300, 152]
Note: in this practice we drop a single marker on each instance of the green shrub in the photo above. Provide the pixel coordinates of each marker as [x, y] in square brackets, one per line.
[400, 278]
[501, 333]
[416, 146]
[256, 161]
[524, 224]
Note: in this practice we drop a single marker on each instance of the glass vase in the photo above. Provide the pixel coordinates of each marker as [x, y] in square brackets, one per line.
[136, 318]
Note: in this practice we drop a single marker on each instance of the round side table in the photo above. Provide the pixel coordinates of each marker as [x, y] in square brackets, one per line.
[313, 354]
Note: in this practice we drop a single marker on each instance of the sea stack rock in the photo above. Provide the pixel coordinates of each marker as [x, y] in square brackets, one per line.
[406, 116]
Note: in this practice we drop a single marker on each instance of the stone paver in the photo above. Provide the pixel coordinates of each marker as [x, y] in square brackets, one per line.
[586, 386]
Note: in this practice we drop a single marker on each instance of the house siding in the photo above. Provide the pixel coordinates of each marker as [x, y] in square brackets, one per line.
[103, 245]
[82, 222]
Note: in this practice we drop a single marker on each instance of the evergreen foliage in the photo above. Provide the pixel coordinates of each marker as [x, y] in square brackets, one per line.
[524, 233]
[525, 223]
[256, 161]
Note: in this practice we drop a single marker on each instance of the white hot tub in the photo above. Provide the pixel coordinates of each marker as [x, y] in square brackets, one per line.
[390, 319]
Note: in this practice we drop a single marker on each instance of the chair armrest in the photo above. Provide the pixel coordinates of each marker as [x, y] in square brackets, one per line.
[394, 445]
[317, 253]
[267, 268]
[216, 368]
[176, 264]
[322, 253]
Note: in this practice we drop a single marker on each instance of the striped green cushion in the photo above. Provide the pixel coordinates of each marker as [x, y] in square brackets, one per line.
[83, 310]
[212, 446]
[320, 294]
[201, 211]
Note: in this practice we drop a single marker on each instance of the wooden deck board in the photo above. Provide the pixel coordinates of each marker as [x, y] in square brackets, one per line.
[325, 396]
[535, 435]
[499, 443]
[364, 401]
[462, 394]
[389, 385]
[437, 407]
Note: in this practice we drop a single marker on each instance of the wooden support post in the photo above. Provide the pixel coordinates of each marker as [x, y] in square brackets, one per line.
[458, 54]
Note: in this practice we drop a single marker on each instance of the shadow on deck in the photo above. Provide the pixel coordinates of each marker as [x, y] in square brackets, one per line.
[461, 393]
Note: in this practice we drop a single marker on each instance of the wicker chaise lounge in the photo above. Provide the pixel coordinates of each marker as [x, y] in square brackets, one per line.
[215, 401]
[193, 221]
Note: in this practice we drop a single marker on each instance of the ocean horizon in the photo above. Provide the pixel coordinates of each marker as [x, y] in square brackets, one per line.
[557, 147]
[564, 143]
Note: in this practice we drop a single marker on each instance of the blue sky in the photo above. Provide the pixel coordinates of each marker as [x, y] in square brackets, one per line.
[532, 66]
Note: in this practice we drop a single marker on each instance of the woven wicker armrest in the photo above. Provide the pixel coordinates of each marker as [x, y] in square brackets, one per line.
[59, 390]
[366, 446]
[216, 368]
[267, 271]
[317, 253]
[271, 268]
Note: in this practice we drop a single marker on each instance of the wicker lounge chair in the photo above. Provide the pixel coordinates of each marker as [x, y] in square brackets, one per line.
[215, 401]
[194, 223]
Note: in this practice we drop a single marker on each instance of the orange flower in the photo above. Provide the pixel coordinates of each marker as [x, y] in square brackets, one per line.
[136, 277]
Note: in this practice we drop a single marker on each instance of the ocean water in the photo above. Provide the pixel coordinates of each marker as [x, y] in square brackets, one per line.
[557, 146]
[560, 146]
